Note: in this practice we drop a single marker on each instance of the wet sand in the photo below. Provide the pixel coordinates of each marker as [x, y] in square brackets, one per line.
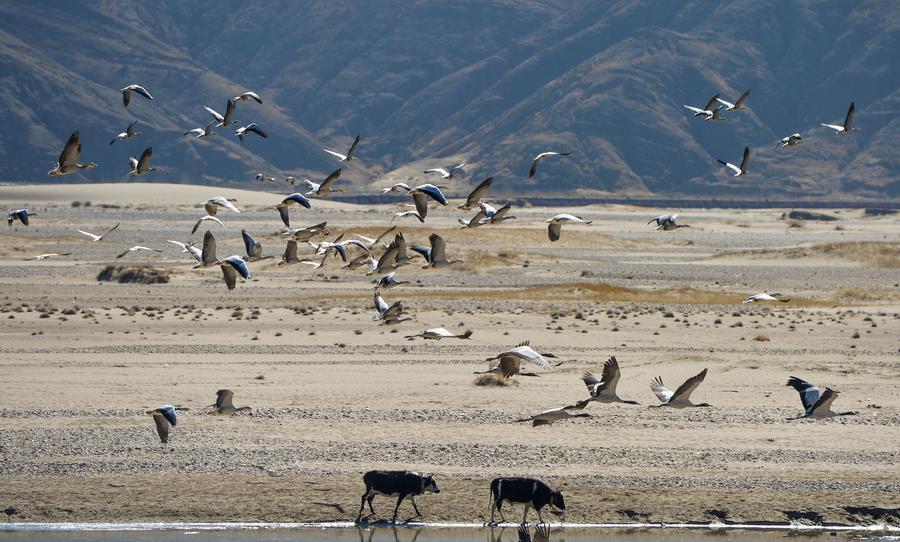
[335, 394]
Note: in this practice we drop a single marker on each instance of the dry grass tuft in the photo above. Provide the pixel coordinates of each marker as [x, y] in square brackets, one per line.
[494, 380]
[761, 338]
[133, 274]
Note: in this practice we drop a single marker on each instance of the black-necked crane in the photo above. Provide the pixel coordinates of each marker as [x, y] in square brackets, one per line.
[509, 363]
[345, 157]
[189, 248]
[667, 223]
[706, 111]
[438, 333]
[141, 166]
[388, 314]
[41, 257]
[253, 248]
[473, 222]
[290, 254]
[738, 170]
[224, 404]
[67, 163]
[420, 196]
[436, 254]
[127, 134]
[537, 160]
[738, 105]
[790, 141]
[396, 187]
[758, 298]
[495, 216]
[847, 127]
[446, 173]
[326, 187]
[549, 416]
[200, 133]
[207, 218]
[816, 405]
[476, 195]
[680, 398]
[223, 121]
[212, 205]
[137, 248]
[247, 96]
[295, 198]
[250, 129]
[389, 281]
[604, 390]
[19, 214]
[137, 89]
[233, 266]
[555, 224]
[165, 418]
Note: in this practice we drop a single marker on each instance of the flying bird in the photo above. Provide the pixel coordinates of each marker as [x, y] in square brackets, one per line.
[847, 127]
[373, 242]
[439, 333]
[326, 187]
[48, 256]
[19, 214]
[816, 405]
[476, 195]
[791, 140]
[212, 205]
[251, 128]
[253, 248]
[738, 105]
[435, 255]
[446, 173]
[306, 233]
[473, 222]
[127, 134]
[233, 266]
[135, 249]
[206, 218]
[495, 216]
[67, 163]
[224, 405]
[223, 120]
[208, 256]
[165, 418]
[388, 314]
[404, 214]
[290, 254]
[547, 417]
[604, 390]
[705, 111]
[126, 93]
[295, 198]
[246, 96]
[345, 157]
[680, 398]
[189, 248]
[742, 170]
[756, 298]
[200, 133]
[420, 196]
[537, 160]
[554, 229]
[389, 281]
[142, 166]
[509, 362]
[396, 187]
[95, 237]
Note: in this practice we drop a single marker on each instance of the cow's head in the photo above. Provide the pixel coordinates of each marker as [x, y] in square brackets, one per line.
[430, 485]
[557, 501]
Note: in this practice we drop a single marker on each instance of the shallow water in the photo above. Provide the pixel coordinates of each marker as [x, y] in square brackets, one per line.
[425, 533]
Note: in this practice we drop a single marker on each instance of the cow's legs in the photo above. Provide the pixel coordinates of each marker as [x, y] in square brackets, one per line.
[525, 515]
[416, 507]
[368, 495]
[540, 518]
[399, 500]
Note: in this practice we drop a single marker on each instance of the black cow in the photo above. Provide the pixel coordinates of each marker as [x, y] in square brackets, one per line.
[529, 491]
[395, 482]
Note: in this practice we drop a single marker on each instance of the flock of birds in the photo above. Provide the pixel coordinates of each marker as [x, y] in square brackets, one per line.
[386, 253]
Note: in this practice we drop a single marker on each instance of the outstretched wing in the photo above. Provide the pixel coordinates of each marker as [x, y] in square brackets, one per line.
[684, 391]
[663, 393]
[353, 148]
[809, 394]
[848, 120]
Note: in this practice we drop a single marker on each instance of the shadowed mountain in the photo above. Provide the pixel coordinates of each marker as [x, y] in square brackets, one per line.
[491, 83]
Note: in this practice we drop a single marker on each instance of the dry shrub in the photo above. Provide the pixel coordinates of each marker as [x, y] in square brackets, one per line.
[494, 380]
[761, 338]
[133, 274]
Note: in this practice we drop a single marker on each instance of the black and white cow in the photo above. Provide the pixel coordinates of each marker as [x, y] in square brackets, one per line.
[531, 492]
[395, 482]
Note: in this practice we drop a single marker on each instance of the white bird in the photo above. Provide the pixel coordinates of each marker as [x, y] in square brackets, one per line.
[554, 229]
[389, 281]
[165, 418]
[439, 333]
[790, 141]
[547, 417]
[716, 115]
[756, 298]
[94, 237]
[680, 398]
[261, 177]
[325, 188]
[46, 256]
[435, 255]
[19, 214]
[739, 170]
[847, 127]
[206, 218]
[246, 96]
[667, 223]
[223, 120]
[251, 128]
[537, 160]
[524, 352]
[295, 198]
[604, 390]
[705, 111]
[403, 214]
[738, 105]
[396, 187]
[446, 173]
[212, 205]
[127, 134]
[126, 93]
[816, 405]
[345, 157]
[142, 166]
[475, 196]
[189, 248]
[200, 133]
[69, 157]
[137, 248]
[420, 196]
